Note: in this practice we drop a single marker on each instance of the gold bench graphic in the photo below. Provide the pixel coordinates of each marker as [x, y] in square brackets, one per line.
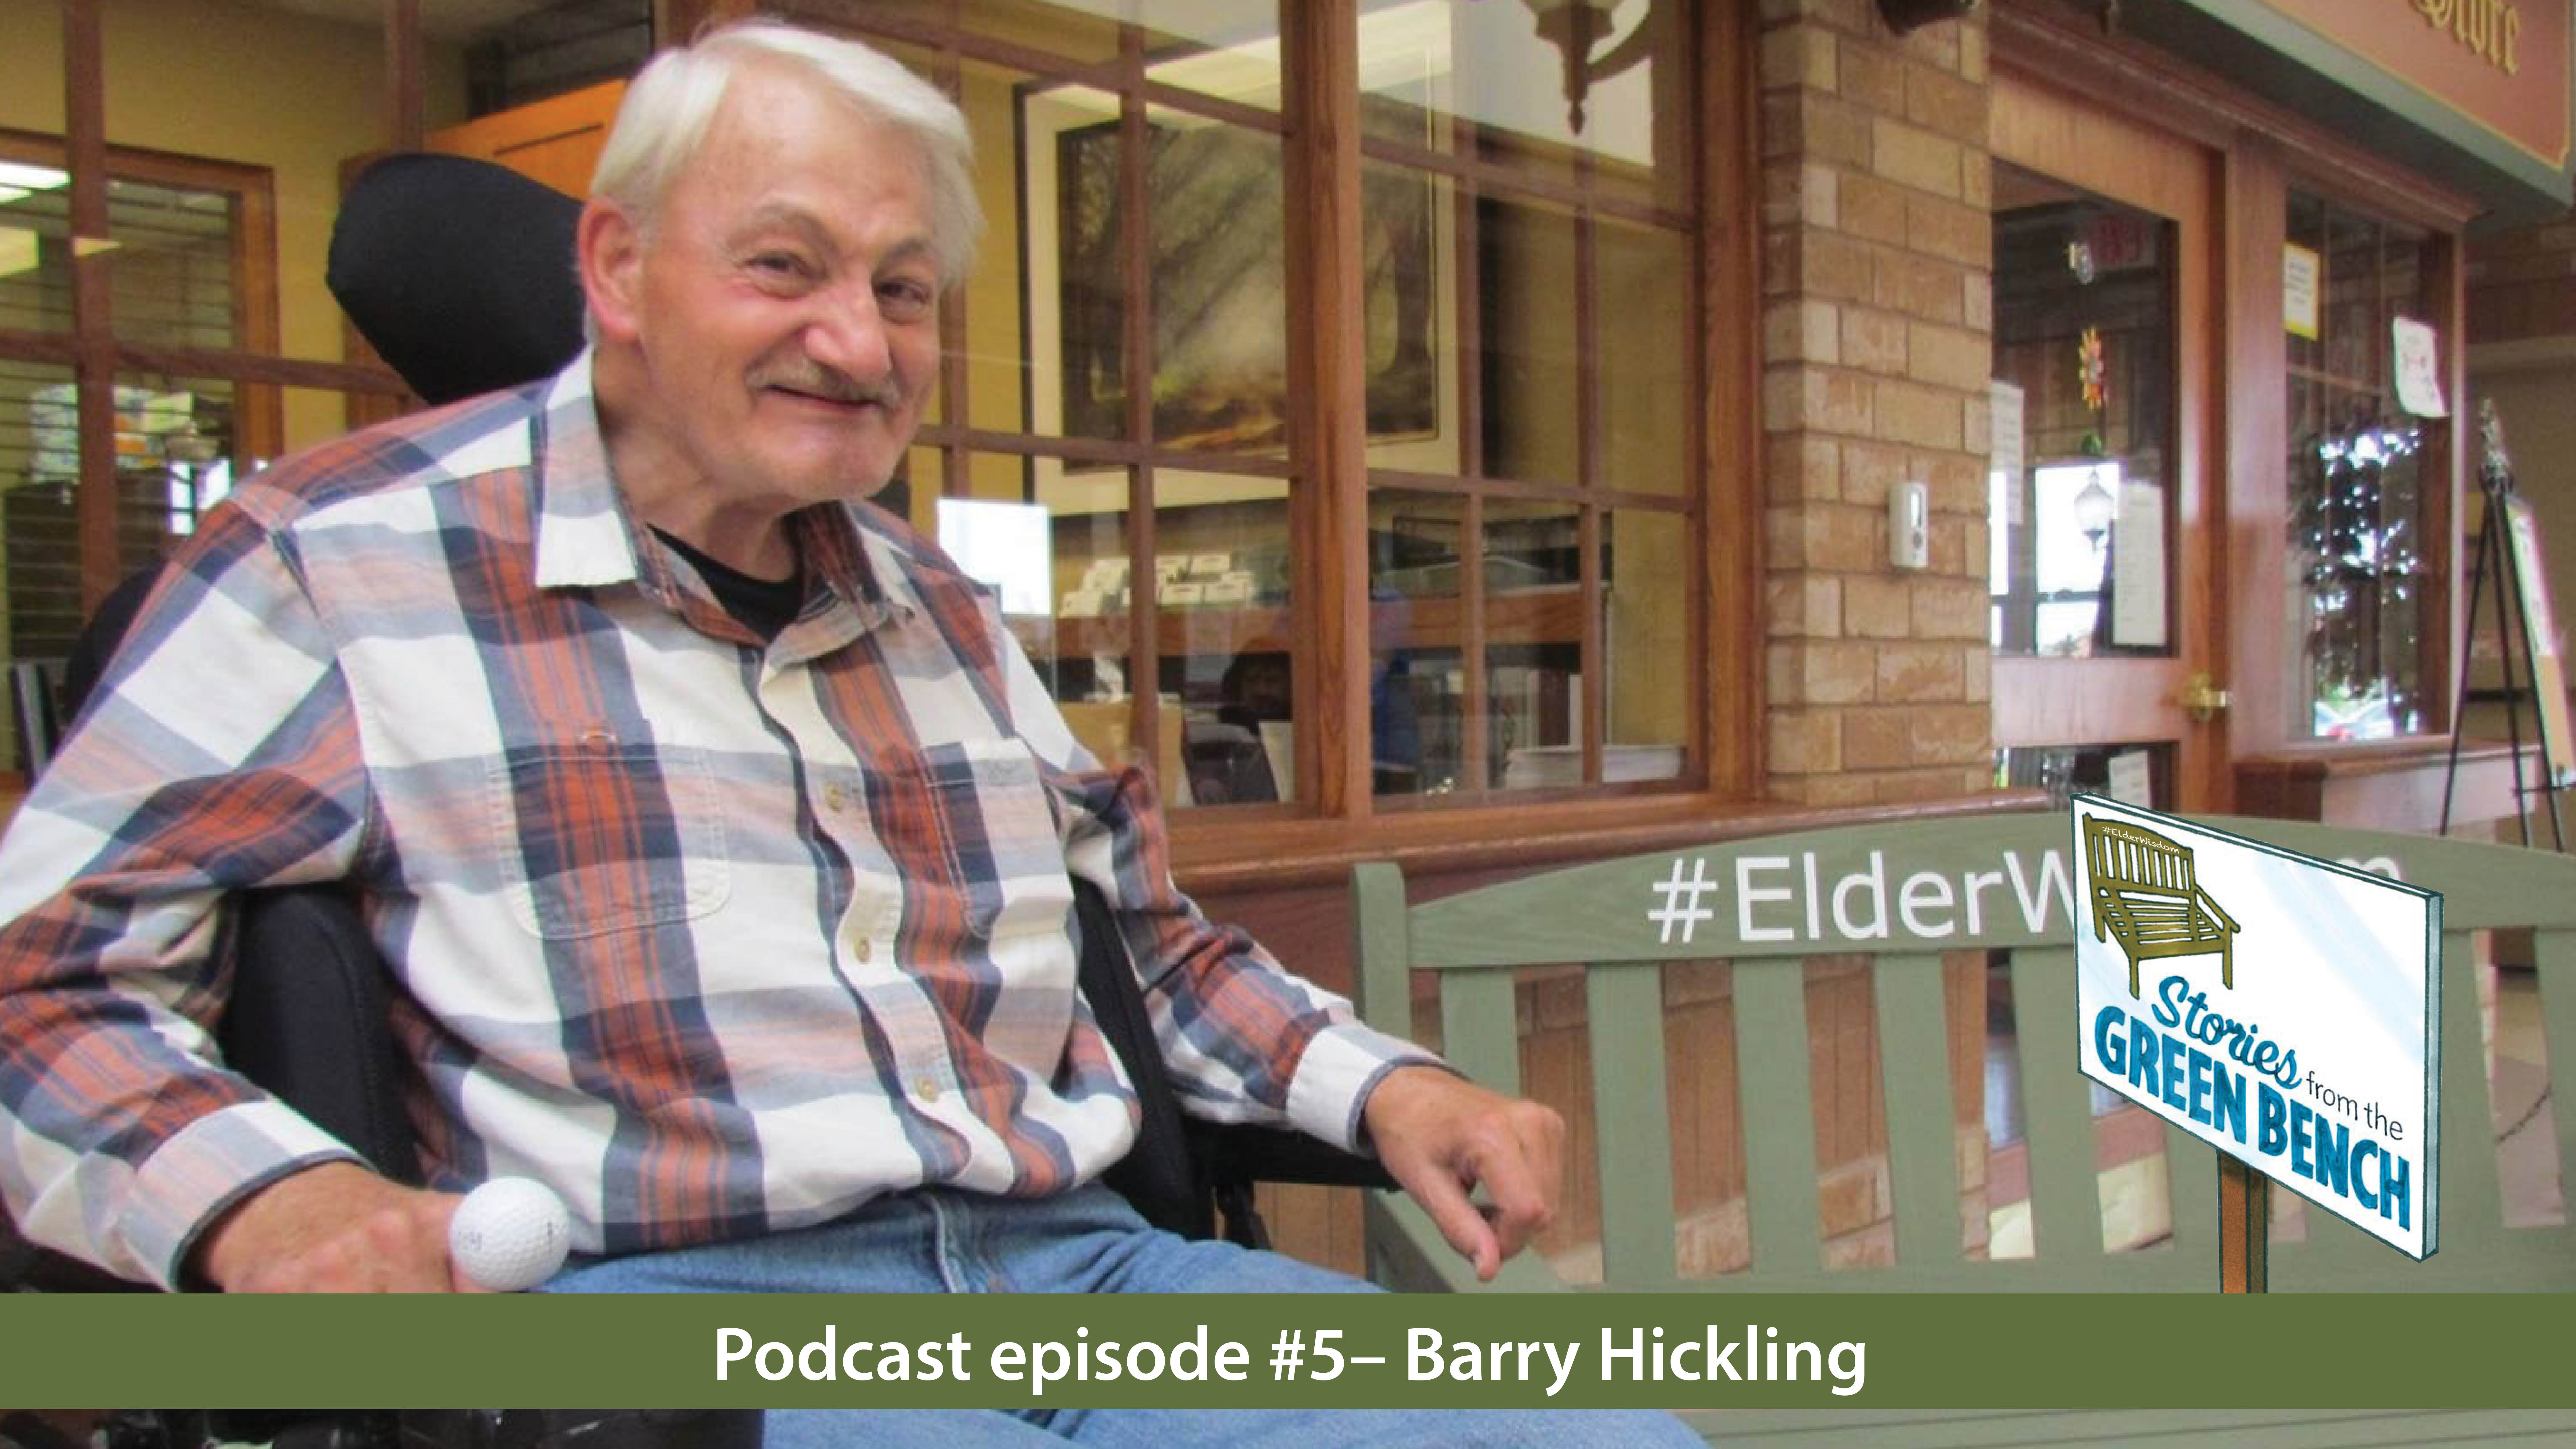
[2144, 895]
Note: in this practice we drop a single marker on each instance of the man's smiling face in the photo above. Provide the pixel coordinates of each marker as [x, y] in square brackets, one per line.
[784, 301]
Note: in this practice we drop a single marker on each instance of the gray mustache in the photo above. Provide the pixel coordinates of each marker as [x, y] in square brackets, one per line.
[830, 384]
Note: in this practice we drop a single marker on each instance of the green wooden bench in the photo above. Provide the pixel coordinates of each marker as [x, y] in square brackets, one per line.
[1949, 884]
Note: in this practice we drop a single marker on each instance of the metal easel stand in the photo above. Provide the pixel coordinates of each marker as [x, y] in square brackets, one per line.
[2495, 551]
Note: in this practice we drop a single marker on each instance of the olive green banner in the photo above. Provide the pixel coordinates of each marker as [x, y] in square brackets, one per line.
[1684, 1351]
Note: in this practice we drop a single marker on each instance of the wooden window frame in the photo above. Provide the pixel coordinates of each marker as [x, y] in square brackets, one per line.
[90, 347]
[1340, 818]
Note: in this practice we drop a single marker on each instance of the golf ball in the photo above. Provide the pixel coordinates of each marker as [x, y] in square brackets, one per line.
[509, 1234]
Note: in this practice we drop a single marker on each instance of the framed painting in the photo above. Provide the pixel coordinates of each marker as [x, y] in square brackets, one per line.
[1218, 296]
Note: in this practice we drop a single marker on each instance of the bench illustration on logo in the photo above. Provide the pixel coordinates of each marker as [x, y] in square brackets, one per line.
[2144, 895]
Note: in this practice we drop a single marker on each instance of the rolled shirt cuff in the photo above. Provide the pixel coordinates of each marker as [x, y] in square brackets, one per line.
[1340, 1067]
[209, 1167]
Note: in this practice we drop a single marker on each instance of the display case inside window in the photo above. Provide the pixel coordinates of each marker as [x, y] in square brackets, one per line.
[2363, 464]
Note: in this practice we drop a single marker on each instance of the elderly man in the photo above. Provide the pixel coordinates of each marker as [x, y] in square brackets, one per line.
[719, 834]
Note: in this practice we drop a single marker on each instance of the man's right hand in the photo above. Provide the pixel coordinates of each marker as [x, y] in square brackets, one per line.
[336, 1228]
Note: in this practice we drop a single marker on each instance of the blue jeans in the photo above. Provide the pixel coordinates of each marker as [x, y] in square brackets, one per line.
[1089, 1241]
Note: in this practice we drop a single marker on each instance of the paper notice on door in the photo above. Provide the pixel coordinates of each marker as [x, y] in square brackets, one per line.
[2419, 367]
[2132, 782]
[2299, 272]
[2138, 566]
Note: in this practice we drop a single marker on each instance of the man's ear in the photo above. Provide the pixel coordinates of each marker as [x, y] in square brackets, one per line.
[610, 247]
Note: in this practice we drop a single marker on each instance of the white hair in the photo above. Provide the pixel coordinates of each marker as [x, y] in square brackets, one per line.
[667, 109]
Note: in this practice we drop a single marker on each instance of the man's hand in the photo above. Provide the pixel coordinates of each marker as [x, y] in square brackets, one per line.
[1441, 1135]
[336, 1228]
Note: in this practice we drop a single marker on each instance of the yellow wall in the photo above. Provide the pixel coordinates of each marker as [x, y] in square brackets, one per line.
[235, 82]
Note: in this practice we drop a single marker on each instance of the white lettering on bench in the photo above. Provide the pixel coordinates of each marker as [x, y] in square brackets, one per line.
[1748, 895]
[1769, 888]
[1924, 890]
[2034, 904]
[1675, 911]
[1876, 881]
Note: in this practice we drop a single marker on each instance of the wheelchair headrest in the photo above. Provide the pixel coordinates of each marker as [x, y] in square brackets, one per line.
[458, 272]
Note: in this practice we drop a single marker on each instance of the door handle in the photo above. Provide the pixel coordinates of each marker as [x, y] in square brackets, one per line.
[2202, 699]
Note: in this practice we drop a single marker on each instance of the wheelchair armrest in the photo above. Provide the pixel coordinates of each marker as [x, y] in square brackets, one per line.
[310, 1021]
[1275, 1154]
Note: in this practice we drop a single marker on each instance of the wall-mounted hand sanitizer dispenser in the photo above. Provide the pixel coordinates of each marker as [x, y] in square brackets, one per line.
[1909, 525]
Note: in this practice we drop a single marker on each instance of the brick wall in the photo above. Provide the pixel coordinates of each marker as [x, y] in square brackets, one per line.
[1877, 346]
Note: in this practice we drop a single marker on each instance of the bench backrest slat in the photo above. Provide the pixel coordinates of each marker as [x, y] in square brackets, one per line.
[1778, 1115]
[1914, 1069]
[1480, 1028]
[1626, 1007]
[2472, 1205]
[2057, 1114]
[2554, 954]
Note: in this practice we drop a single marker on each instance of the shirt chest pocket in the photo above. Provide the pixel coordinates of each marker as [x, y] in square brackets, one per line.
[972, 828]
[597, 836]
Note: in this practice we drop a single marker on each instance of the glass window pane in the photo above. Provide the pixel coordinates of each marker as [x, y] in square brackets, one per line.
[1217, 243]
[39, 555]
[184, 442]
[2353, 345]
[1018, 297]
[1533, 709]
[35, 238]
[1228, 49]
[181, 444]
[1410, 292]
[1212, 244]
[1640, 296]
[2307, 232]
[1076, 240]
[1646, 569]
[2360, 471]
[1591, 93]
[2084, 318]
[1416, 651]
[1220, 591]
[1222, 587]
[174, 276]
[1525, 320]
[1082, 646]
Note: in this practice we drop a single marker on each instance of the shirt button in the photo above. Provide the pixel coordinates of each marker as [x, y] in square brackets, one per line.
[862, 948]
[835, 799]
[927, 1088]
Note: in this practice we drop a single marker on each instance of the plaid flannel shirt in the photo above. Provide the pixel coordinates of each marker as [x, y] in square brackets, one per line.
[713, 938]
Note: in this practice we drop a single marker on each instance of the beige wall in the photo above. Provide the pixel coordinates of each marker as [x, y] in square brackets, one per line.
[234, 82]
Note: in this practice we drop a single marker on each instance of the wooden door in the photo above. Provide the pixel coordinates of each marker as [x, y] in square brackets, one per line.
[2106, 223]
